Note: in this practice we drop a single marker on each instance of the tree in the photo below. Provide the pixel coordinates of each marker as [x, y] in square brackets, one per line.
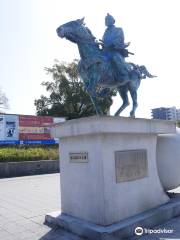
[3, 100]
[67, 96]
[178, 123]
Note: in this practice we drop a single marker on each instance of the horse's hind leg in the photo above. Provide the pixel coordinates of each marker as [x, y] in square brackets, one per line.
[123, 91]
[133, 92]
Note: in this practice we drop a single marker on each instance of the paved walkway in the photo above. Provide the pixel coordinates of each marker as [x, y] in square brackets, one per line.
[24, 201]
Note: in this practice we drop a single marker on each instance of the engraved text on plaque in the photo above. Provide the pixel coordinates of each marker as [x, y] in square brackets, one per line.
[131, 165]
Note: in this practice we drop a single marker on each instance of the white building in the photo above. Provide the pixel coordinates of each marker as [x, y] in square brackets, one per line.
[166, 113]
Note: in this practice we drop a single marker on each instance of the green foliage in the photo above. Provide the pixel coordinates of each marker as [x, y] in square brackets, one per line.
[178, 123]
[67, 97]
[19, 153]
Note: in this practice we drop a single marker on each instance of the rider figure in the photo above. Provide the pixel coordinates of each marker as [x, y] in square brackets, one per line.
[114, 48]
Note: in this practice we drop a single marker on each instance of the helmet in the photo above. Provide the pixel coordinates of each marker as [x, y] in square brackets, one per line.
[109, 20]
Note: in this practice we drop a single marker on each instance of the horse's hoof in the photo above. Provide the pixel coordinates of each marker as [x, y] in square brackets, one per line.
[100, 114]
[132, 115]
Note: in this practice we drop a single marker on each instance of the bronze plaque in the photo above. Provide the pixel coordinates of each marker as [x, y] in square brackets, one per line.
[80, 157]
[131, 165]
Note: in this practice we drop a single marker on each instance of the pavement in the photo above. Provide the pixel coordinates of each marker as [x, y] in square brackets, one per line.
[24, 202]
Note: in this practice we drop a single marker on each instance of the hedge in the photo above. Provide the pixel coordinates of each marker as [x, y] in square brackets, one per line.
[19, 153]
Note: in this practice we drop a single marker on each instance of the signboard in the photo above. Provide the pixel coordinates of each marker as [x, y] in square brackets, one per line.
[11, 125]
[35, 127]
[35, 121]
[28, 142]
[80, 157]
[25, 129]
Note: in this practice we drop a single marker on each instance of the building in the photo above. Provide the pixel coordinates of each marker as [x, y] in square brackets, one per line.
[166, 113]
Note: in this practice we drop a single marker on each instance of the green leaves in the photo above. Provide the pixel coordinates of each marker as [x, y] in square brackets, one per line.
[67, 97]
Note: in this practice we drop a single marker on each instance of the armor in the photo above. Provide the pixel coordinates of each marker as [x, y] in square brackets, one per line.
[114, 48]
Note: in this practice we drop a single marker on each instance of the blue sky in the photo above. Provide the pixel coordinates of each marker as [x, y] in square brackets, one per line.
[29, 43]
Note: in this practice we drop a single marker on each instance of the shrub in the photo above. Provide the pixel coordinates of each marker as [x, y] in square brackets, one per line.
[28, 153]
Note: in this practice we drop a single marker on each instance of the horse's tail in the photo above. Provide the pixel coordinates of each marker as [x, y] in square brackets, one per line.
[145, 73]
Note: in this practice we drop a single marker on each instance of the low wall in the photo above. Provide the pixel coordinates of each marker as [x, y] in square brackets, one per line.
[16, 169]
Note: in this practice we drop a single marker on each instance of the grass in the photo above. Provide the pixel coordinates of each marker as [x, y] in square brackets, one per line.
[28, 153]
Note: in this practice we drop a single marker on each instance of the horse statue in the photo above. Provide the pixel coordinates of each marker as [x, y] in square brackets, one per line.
[97, 70]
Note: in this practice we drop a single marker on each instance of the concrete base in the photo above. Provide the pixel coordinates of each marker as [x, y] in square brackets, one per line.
[117, 231]
[108, 167]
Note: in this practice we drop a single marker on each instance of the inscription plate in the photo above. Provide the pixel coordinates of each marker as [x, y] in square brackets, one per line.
[81, 157]
[131, 165]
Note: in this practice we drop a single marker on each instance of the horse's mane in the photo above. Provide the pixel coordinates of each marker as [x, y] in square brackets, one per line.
[89, 31]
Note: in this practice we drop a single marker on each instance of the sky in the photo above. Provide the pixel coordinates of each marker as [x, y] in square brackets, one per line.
[29, 43]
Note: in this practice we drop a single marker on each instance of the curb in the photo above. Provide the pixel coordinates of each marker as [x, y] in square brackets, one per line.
[26, 168]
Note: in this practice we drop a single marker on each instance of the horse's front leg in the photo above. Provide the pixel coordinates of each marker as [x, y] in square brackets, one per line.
[90, 88]
[96, 105]
[93, 97]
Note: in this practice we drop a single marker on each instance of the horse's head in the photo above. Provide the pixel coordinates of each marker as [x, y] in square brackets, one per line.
[75, 31]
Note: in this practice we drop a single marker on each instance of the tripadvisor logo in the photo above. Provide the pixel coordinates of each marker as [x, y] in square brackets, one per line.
[139, 231]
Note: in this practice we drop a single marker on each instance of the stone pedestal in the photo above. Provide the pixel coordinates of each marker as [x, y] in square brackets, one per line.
[108, 167]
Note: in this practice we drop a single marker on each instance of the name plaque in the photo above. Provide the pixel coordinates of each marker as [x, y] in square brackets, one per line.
[131, 165]
[81, 157]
